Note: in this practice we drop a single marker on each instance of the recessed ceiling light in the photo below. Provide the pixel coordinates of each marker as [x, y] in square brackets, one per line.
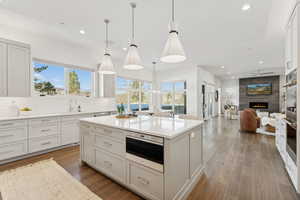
[222, 67]
[261, 62]
[82, 32]
[124, 49]
[246, 7]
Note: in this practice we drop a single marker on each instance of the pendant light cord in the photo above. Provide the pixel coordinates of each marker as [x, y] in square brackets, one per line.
[173, 10]
[106, 21]
[133, 6]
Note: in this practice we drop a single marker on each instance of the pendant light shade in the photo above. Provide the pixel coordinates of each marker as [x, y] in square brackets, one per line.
[173, 51]
[133, 59]
[107, 66]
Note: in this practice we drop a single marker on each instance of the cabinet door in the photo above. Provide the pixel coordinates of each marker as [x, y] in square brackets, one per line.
[195, 151]
[3, 69]
[108, 85]
[18, 71]
[69, 133]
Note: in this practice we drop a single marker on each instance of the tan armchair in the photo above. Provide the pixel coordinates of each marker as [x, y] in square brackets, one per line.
[249, 121]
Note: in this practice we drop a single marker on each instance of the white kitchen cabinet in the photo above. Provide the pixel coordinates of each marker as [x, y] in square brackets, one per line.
[43, 143]
[87, 150]
[108, 85]
[196, 157]
[13, 149]
[146, 181]
[3, 69]
[18, 71]
[110, 164]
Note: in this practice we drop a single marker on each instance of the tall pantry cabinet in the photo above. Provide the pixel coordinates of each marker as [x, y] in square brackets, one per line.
[15, 69]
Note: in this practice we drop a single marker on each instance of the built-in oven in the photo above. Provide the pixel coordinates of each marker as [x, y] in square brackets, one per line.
[291, 140]
[146, 150]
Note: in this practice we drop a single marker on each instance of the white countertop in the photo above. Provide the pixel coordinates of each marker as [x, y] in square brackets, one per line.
[158, 126]
[33, 116]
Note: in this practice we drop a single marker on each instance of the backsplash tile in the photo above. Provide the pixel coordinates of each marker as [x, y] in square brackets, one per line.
[50, 105]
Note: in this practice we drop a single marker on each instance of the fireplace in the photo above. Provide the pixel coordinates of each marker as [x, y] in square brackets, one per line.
[259, 105]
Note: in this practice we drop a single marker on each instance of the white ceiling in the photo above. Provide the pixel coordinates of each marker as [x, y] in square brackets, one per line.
[214, 33]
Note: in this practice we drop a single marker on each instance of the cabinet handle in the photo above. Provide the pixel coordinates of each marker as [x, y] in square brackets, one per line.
[143, 180]
[6, 152]
[7, 124]
[107, 144]
[108, 164]
[46, 143]
[5, 136]
[46, 130]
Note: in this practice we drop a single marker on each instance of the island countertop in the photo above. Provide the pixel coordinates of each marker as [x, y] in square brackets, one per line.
[157, 126]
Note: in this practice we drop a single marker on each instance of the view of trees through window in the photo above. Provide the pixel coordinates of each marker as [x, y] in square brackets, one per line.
[134, 94]
[173, 96]
[50, 80]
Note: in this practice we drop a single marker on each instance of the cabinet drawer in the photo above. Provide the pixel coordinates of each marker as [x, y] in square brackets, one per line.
[110, 164]
[115, 133]
[13, 134]
[13, 150]
[146, 181]
[9, 124]
[110, 145]
[39, 144]
[43, 121]
[40, 131]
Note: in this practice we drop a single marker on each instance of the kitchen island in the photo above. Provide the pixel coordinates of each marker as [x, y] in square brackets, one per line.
[158, 158]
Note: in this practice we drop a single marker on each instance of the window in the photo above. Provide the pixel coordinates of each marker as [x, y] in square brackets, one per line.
[52, 80]
[80, 82]
[173, 96]
[48, 80]
[134, 94]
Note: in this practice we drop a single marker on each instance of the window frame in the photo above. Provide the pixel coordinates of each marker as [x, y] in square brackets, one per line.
[67, 68]
[173, 92]
[128, 90]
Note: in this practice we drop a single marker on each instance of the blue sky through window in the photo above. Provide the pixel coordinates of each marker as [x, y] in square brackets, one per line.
[55, 75]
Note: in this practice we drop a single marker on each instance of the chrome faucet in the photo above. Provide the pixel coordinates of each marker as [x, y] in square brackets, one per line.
[172, 114]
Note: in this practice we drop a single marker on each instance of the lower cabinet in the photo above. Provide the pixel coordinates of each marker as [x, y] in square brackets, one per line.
[87, 150]
[196, 159]
[146, 181]
[111, 164]
[43, 143]
[13, 149]
[69, 132]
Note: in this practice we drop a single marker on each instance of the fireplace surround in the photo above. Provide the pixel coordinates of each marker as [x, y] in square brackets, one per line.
[268, 103]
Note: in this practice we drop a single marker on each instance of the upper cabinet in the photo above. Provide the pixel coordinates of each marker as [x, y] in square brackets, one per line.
[15, 69]
[108, 85]
[291, 49]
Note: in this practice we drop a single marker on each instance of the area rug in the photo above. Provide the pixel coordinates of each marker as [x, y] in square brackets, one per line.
[44, 180]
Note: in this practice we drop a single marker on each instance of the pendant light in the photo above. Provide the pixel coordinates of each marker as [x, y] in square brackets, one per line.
[107, 66]
[173, 51]
[133, 60]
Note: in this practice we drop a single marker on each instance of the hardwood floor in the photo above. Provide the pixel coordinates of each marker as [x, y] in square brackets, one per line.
[239, 166]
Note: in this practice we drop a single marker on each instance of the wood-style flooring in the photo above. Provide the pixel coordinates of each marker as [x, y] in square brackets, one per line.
[239, 166]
